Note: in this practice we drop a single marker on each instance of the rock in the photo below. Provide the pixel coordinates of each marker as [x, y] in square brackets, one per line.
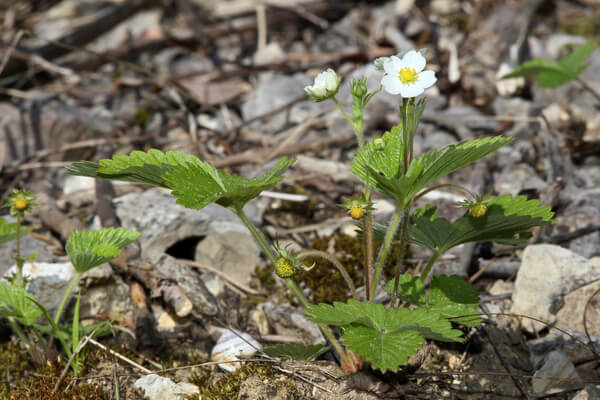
[271, 92]
[191, 286]
[290, 322]
[272, 53]
[74, 184]
[29, 245]
[463, 120]
[572, 343]
[515, 178]
[445, 7]
[583, 211]
[438, 139]
[338, 171]
[501, 287]
[232, 346]
[590, 392]
[230, 247]
[571, 315]
[546, 275]
[47, 281]
[103, 293]
[155, 387]
[259, 319]
[555, 365]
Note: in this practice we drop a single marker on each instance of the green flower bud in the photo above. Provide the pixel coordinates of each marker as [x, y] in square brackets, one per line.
[326, 85]
[359, 88]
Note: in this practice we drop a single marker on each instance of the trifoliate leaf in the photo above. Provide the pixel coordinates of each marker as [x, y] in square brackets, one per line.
[88, 249]
[411, 289]
[384, 169]
[454, 298]
[8, 231]
[16, 302]
[552, 74]
[434, 164]
[508, 220]
[194, 183]
[383, 337]
[296, 351]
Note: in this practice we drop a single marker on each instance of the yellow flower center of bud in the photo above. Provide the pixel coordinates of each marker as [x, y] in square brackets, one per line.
[20, 204]
[478, 210]
[408, 75]
[356, 212]
[284, 269]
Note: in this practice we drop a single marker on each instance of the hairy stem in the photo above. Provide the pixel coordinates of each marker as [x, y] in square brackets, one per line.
[432, 261]
[368, 252]
[356, 126]
[260, 239]
[385, 248]
[65, 298]
[18, 258]
[401, 252]
[332, 259]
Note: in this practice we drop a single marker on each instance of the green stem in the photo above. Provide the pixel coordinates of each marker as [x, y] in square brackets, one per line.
[427, 269]
[65, 298]
[368, 252]
[294, 287]
[461, 189]
[332, 259]
[21, 335]
[260, 239]
[18, 259]
[383, 252]
[401, 252]
[357, 127]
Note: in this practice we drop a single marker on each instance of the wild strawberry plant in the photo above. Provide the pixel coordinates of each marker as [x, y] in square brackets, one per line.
[385, 337]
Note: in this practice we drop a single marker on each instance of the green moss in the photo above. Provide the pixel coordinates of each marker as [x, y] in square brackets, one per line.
[219, 386]
[325, 282]
[21, 379]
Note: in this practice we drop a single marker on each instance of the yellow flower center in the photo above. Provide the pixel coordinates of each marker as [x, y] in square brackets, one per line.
[408, 75]
[20, 204]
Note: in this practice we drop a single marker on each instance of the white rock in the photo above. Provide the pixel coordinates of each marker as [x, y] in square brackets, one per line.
[234, 346]
[546, 275]
[47, 281]
[155, 387]
[75, 184]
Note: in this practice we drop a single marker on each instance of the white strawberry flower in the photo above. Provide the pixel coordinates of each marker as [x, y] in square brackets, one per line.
[326, 86]
[405, 75]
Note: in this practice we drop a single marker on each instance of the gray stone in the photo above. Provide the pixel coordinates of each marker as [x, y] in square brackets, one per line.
[155, 387]
[555, 365]
[583, 211]
[590, 392]
[517, 177]
[463, 120]
[48, 282]
[271, 92]
[571, 315]
[290, 322]
[233, 345]
[546, 275]
[103, 293]
[29, 245]
[336, 170]
[572, 343]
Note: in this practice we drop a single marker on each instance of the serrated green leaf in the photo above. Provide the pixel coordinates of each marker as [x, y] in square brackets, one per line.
[411, 289]
[454, 298]
[88, 249]
[507, 221]
[296, 351]
[385, 172]
[383, 337]
[573, 62]
[552, 74]
[194, 183]
[434, 164]
[16, 302]
[8, 231]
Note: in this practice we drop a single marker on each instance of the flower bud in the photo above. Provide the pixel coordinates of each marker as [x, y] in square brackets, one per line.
[359, 88]
[326, 85]
[356, 211]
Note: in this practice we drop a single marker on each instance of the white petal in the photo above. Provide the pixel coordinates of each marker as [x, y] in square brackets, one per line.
[411, 90]
[321, 80]
[414, 59]
[392, 65]
[426, 79]
[391, 84]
